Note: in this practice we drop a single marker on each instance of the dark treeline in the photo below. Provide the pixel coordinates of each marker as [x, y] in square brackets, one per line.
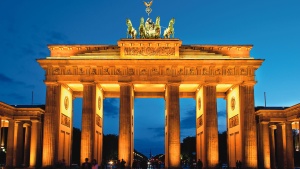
[110, 148]
[188, 149]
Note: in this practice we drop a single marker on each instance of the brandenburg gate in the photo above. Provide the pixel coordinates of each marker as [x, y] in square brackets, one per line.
[150, 68]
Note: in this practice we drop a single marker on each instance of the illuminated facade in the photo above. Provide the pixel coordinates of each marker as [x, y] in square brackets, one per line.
[151, 68]
[161, 68]
[21, 135]
[278, 135]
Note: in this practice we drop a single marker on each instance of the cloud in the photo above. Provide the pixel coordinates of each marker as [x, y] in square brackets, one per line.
[5, 79]
[189, 121]
[158, 131]
[54, 37]
[111, 108]
[8, 82]
[222, 114]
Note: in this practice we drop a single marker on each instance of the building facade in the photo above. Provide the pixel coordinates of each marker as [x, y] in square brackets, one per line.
[21, 134]
[151, 68]
[147, 68]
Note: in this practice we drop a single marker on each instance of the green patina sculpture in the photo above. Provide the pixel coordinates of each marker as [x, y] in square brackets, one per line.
[149, 29]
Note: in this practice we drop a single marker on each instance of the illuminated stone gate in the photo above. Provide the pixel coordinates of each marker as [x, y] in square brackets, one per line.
[151, 68]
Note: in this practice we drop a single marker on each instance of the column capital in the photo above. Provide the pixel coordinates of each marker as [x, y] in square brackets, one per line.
[264, 122]
[273, 126]
[26, 124]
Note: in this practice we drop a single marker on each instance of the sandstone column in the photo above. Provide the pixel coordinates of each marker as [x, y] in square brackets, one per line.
[265, 144]
[88, 122]
[126, 124]
[272, 146]
[18, 144]
[289, 145]
[27, 144]
[172, 139]
[285, 152]
[248, 126]
[51, 124]
[210, 126]
[35, 146]
[10, 143]
[281, 156]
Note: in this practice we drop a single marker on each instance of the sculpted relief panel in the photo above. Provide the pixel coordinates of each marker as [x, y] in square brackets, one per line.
[149, 51]
[152, 70]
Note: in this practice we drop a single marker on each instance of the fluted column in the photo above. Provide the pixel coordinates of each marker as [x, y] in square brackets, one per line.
[272, 146]
[211, 125]
[173, 126]
[248, 126]
[51, 125]
[289, 145]
[281, 155]
[265, 143]
[18, 144]
[88, 121]
[10, 143]
[35, 146]
[126, 124]
[27, 144]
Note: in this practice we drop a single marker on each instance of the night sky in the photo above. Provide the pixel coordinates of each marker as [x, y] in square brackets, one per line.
[272, 26]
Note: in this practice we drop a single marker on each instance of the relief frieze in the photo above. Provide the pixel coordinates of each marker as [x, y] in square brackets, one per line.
[180, 71]
[151, 71]
[68, 71]
[234, 121]
[130, 71]
[143, 71]
[56, 71]
[106, 71]
[93, 71]
[98, 120]
[118, 71]
[155, 71]
[65, 120]
[149, 51]
[200, 121]
[81, 71]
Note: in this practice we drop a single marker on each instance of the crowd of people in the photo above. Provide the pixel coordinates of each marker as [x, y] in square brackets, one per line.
[94, 164]
[87, 165]
[136, 164]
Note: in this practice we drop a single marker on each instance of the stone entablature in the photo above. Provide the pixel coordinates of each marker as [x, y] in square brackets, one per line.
[187, 71]
[150, 49]
[21, 113]
[278, 114]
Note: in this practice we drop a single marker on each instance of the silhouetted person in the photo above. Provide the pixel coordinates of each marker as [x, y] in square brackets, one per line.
[94, 164]
[86, 164]
[199, 164]
[240, 164]
[123, 164]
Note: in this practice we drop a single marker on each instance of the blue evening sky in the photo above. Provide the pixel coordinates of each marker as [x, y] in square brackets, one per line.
[272, 26]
